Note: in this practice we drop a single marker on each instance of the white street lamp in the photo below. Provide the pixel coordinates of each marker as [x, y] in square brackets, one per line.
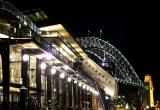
[25, 57]
[75, 81]
[79, 84]
[53, 71]
[43, 66]
[62, 75]
[84, 86]
[66, 67]
[69, 79]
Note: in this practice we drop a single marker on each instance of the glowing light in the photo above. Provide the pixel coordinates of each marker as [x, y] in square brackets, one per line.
[49, 56]
[79, 84]
[62, 75]
[25, 57]
[127, 106]
[87, 88]
[69, 79]
[107, 97]
[54, 89]
[25, 23]
[84, 86]
[66, 67]
[3, 36]
[103, 64]
[43, 66]
[75, 81]
[53, 71]
[39, 56]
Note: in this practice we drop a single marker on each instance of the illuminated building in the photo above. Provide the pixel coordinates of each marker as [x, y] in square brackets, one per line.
[43, 67]
[148, 97]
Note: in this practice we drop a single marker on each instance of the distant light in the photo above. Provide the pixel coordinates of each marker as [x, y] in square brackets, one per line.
[66, 67]
[79, 84]
[107, 97]
[103, 64]
[49, 56]
[147, 107]
[3, 36]
[54, 89]
[69, 79]
[87, 88]
[97, 93]
[75, 81]
[39, 56]
[62, 75]
[53, 71]
[84, 86]
[25, 23]
[43, 66]
[127, 106]
[25, 57]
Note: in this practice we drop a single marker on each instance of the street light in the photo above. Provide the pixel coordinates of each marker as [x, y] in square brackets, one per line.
[75, 81]
[43, 66]
[84, 86]
[66, 67]
[53, 71]
[69, 79]
[62, 75]
[79, 84]
[25, 57]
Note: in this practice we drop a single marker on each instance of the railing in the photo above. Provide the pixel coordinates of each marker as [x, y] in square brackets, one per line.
[10, 8]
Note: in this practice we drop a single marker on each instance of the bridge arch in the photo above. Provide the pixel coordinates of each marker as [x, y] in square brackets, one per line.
[103, 50]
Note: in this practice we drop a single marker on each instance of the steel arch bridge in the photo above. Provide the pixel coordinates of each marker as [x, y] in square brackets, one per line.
[103, 50]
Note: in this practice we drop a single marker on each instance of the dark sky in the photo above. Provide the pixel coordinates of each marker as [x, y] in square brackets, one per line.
[129, 26]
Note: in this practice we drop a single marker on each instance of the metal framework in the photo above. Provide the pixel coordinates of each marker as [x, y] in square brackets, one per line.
[103, 50]
[36, 33]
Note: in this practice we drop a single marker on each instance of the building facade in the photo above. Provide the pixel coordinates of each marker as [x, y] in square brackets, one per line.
[42, 68]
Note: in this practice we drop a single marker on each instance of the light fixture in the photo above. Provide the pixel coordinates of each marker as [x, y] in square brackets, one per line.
[79, 84]
[103, 64]
[69, 79]
[39, 56]
[25, 57]
[25, 23]
[84, 86]
[66, 67]
[62, 75]
[107, 97]
[53, 71]
[87, 88]
[147, 107]
[43, 66]
[75, 81]
[54, 89]
[49, 56]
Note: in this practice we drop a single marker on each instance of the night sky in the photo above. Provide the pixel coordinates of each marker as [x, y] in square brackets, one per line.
[129, 26]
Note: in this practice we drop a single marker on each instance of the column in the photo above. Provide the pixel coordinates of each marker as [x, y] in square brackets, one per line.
[49, 87]
[70, 94]
[57, 103]
[64, 92]
[5, 72]
[38, 83]
[90, 100]
[25, 81]
[75, 92]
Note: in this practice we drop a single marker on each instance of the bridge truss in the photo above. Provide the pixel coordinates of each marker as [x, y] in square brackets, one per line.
[106, 53]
